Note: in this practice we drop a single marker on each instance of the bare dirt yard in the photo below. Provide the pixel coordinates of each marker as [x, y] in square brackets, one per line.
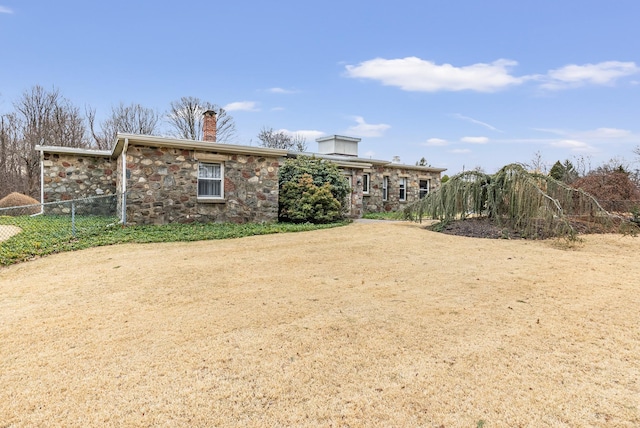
[372, 324]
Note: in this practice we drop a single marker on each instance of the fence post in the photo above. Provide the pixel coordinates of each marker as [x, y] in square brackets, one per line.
[73, 219]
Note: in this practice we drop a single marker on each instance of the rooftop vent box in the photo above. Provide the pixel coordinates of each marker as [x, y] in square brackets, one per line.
[338, 145]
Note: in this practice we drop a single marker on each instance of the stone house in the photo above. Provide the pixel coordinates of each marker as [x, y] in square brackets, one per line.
[170, 180]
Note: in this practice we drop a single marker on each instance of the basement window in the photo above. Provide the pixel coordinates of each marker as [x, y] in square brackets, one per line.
[210, 181]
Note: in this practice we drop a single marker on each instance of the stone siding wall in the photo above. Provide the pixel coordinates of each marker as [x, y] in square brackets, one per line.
[69, 177]
[162, 187]
[373, 201]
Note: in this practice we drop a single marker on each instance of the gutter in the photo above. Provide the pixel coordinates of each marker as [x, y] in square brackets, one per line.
[41, 184]
[123, 216]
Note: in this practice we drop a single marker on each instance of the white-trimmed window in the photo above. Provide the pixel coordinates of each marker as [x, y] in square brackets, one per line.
[366, 180]
[210, 181]
[424, 188]
[385, 188]
[402, 185]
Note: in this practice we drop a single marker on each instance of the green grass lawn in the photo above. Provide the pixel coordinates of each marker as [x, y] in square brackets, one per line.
[389, 215]
[43, 235]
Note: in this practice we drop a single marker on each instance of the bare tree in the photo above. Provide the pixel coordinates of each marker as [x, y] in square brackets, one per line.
[582, 165]
[615, 164]
[636, 172]
[131, 119]
[10, 175]
[67, 126]
[49, 118]
[282, 140]
[100, 141]
[185, 117]
[45, 118]
[537, 164]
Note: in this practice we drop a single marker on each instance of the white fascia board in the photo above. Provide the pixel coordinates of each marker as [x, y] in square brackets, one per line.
[73, 151]
[150, 140]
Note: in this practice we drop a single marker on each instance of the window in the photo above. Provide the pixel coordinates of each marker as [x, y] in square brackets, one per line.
[365, 183]
[403, 189]
[385, 188]
[424, 188]
[210, 181]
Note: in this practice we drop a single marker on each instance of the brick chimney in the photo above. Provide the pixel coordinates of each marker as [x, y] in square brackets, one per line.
[209, 128]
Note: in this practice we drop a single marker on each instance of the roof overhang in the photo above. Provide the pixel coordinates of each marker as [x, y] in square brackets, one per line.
[73, 151]
[153, 141]
[415, 167]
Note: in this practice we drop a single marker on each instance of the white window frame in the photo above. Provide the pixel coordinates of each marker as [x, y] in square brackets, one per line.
[385, 188]
[366, 183]
[218, 179]
[402, 189]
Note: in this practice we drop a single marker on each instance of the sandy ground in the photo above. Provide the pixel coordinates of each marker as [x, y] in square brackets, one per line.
[7, 231]
[372, 324]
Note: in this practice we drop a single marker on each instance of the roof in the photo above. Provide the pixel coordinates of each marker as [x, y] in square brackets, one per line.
[150, 140]
[155, 141]
[357, 162]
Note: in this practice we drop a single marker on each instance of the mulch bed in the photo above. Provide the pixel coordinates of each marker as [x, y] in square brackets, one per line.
[483, 227]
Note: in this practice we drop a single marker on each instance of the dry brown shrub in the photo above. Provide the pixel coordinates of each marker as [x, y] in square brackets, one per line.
[16, 199]
[610, 188]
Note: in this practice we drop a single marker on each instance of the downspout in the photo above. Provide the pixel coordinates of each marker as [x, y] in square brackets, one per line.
[41, 183]
[123, 217]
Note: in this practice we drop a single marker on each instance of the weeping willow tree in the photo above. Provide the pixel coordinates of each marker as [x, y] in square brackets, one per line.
[534, 205]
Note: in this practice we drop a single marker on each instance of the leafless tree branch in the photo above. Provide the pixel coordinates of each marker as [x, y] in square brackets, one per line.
[185, 117]
[281, 140]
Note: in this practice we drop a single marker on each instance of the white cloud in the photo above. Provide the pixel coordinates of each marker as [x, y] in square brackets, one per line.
[475, 140]
[476, 121]
[242, 106]
[608, 133]
[594, 134]
[573, 145]
[415, 74]
[603, 73]
[4, 9]
[436, 142]
[277, 109]
[281, 91]
[460, 151]
[552, 131]
[308, 134]
[363, 129]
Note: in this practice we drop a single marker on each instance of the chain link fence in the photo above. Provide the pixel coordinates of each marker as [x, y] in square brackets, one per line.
[61, 219]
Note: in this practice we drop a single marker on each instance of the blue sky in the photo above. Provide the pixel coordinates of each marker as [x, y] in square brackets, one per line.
[464, 83]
